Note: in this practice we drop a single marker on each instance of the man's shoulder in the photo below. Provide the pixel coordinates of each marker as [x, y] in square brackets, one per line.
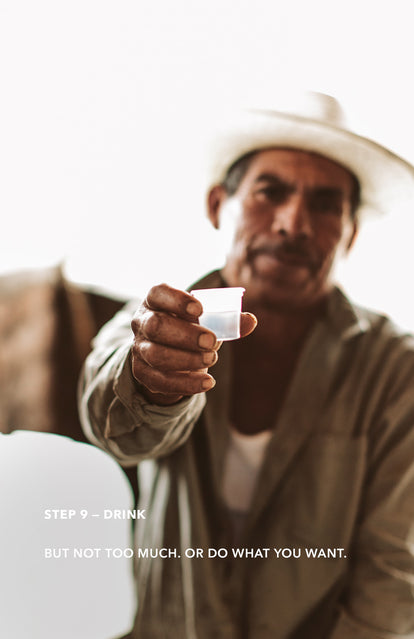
[381, 325]
[378, 335]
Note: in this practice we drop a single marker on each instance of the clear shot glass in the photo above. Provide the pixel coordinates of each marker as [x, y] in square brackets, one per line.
[221, 310]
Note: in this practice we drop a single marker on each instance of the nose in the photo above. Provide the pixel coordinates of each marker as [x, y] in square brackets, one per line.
[292, 218]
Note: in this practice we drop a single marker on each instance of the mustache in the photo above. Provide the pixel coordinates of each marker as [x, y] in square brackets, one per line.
[286, 249]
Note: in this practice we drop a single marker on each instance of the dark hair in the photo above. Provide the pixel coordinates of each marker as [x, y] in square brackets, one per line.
[236, 173]
[238, 170]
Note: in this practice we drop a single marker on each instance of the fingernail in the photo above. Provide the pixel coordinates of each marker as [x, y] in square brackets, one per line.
[207, 340]
[209, 358]
[208, 383]
[193, 308]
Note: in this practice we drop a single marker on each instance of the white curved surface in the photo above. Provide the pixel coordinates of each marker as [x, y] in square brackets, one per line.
[68, 598]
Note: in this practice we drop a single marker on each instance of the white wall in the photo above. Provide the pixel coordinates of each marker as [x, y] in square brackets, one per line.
[101, 108]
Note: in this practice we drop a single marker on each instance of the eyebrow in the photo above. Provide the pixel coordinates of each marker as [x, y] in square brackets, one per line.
[271, 178]
[275, 179]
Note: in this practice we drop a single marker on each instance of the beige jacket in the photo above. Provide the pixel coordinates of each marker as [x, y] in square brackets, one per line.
[338, 480]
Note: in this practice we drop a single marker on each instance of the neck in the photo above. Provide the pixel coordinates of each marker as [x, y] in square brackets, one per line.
[279, 322]
[264, 363]
[278, 327]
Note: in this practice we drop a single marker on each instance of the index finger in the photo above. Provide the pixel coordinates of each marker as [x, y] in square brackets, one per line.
[171, 300]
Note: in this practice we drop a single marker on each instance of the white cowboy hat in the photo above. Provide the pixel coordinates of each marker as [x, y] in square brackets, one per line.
[313, 122]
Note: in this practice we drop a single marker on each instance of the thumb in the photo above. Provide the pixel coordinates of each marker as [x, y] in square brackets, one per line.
[248, 323]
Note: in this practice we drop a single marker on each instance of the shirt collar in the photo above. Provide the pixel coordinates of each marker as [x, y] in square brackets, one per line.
[345, 318]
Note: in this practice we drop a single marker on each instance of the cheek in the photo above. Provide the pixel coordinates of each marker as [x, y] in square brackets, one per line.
[255, 222]
[328, 233]
[332, 243]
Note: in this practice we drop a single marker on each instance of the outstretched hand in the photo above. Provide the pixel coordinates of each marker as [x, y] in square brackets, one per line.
[172, 353]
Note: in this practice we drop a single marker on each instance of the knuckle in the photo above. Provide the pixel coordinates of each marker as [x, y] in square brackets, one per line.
[151, 324]
[143, 376]
[136, 325]
[135, 350]
[155, 293]
[138, 358]
[150, 354]
[154, 380]
[152, 386]
[137, 369]
[137, 320]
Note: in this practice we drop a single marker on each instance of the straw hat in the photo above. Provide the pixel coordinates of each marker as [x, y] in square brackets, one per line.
[313, 122]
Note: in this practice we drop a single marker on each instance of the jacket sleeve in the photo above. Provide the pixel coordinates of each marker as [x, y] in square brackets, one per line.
[114, 415]
[380, 598]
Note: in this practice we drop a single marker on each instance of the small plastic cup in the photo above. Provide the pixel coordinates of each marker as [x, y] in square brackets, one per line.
[221, 310]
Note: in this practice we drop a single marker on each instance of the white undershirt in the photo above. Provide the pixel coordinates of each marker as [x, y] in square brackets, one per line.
[244, 458]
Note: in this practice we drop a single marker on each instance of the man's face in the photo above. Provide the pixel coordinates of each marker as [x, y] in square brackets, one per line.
[289, 217]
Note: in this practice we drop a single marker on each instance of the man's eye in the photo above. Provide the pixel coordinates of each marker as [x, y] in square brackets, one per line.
[273, 193]
[326, 205]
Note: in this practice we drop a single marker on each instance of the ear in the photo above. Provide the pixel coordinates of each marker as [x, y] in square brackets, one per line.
[353, 236]
[215, 198]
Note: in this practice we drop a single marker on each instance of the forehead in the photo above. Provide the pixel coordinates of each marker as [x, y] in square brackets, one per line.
[297, 166]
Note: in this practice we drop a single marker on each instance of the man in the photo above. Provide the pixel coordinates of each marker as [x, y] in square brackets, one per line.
[284, 487]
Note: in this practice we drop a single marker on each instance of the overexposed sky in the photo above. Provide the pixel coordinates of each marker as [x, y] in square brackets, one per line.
[102, 103]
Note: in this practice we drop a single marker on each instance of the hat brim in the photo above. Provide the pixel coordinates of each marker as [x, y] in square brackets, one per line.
[386, 180]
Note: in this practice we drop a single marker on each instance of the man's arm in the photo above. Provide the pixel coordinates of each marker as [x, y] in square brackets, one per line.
[142, 390]
[117, 411]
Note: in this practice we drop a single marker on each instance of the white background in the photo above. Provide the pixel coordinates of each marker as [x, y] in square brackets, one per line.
[100, 111]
